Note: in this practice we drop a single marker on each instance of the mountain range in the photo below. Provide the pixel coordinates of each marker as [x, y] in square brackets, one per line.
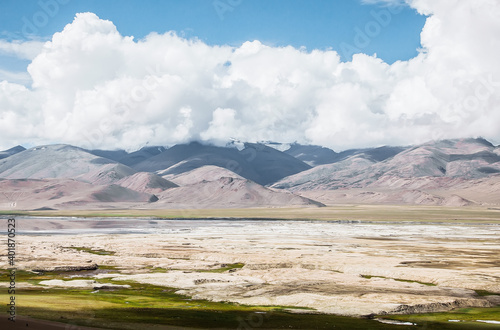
[448, 172]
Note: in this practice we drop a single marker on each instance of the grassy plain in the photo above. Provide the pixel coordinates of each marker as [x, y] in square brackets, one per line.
[150, 306]
[156, 307]
[378, 213]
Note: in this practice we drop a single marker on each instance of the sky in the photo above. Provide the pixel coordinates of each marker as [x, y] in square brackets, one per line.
[341, 74]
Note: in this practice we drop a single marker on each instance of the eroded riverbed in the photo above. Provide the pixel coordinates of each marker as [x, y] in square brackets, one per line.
[346, 268]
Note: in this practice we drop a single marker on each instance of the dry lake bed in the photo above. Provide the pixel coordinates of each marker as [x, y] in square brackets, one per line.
[95, 271]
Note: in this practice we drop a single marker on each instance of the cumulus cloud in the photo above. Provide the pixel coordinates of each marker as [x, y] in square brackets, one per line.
[95, 88]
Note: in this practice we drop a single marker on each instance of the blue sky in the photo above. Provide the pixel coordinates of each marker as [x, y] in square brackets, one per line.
[319, 24]
[436, 74]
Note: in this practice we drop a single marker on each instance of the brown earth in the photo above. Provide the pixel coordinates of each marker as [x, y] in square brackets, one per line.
[341, 268]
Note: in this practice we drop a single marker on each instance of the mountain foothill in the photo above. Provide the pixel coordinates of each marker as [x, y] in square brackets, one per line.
[458, 172]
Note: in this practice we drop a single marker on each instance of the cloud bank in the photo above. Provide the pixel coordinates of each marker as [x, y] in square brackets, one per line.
[95, 88]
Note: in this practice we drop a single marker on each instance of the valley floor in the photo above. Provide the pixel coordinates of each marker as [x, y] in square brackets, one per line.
[353, 268]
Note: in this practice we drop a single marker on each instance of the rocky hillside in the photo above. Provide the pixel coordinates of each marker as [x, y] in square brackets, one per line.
[466, 159]
[32, 194]
[228, 192]
[256, 162]
[317, 155]
[11, 151]
[62, 161]
[449, 172]
[445, 172]
[63, 176]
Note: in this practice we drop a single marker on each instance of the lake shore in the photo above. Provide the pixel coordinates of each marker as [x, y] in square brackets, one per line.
[341, 268]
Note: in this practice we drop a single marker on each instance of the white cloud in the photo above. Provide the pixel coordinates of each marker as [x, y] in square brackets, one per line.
[27, 50]
[19, 119]
[95, 88]
[223, 127]
[22, 78]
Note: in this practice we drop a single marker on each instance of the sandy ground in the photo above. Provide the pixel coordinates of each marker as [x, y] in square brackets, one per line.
[293, 263]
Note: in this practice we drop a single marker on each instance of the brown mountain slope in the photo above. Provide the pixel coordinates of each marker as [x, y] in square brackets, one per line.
[63, 162]
[204, 173]
[29, 194]
[384, 196]
[425, 190]
[449, 172]
[146, 182]
[255, 162]
[451, 159]
[228, 192]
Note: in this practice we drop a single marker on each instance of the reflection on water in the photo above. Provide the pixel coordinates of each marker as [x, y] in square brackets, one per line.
[404, 230]
[73, 225]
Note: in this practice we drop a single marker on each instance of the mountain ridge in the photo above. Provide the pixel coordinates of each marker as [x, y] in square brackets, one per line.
[444, 172]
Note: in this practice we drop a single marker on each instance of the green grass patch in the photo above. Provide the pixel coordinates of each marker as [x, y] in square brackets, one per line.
[23, 276]
[108, 267]
[100, 252]
[152, 269]
[35, 278]
[146, 318]
[224, 268]
[410, 281]
[483, 293]
[377, 213]
[14, 213]
[467, 316]
[144, 306]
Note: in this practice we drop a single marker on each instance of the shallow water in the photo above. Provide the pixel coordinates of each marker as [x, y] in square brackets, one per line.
[302, 229]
